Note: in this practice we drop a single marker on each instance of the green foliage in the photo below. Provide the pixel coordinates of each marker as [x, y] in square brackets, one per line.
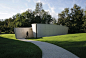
[73, 18]
[10, 47]
[38, 7]
[84, 19]
[25, 19]
[43, 16]
[75, 43]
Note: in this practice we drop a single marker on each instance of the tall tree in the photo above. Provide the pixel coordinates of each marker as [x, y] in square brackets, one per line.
[26, 18]
[64, 17]
[73, 19]
[45, 17]
[38, 7]
[84, 19]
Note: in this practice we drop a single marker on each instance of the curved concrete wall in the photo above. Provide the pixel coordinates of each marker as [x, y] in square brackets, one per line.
[21, 32]
[49, 30]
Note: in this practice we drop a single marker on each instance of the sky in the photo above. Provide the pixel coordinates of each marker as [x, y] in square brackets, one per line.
[8, 8]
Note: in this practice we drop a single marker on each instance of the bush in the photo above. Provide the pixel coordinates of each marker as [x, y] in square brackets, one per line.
[0, 31]
[7, 32]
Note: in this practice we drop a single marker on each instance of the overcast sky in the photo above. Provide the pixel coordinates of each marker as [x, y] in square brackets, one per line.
[8, 8]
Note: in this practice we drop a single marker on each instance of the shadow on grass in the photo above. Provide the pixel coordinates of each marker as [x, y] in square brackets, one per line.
[78, 48]
[10, 48]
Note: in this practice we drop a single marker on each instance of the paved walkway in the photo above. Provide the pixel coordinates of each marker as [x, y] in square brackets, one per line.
[51, 50]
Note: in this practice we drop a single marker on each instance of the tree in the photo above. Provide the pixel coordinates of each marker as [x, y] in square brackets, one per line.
[38, 8]
[84, 19]
[53, 21]
[64, 17]
[45, 17]
[26, 18]
[77, 18]
[73, 19]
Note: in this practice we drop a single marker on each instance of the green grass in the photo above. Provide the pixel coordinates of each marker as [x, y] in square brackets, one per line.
[10, 47]
[75, 43]
[2, 32]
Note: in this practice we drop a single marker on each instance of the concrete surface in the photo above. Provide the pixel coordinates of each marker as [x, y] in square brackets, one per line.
[49, 30]
[41, 30]
[51, 50]
[21, 32]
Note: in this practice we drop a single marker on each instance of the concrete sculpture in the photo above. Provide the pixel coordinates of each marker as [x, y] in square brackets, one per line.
[40, 30]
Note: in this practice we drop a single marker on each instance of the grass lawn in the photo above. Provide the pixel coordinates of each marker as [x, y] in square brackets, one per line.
[13, 48]
[75, 43]
[2, 32]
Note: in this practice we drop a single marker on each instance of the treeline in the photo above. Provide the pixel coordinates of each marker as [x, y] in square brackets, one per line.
[74, 18]
[25, 19]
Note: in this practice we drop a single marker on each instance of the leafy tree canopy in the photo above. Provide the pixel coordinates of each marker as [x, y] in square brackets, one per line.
[73, 18]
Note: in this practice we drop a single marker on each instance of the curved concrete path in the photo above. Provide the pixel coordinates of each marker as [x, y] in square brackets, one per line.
[51, 50]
